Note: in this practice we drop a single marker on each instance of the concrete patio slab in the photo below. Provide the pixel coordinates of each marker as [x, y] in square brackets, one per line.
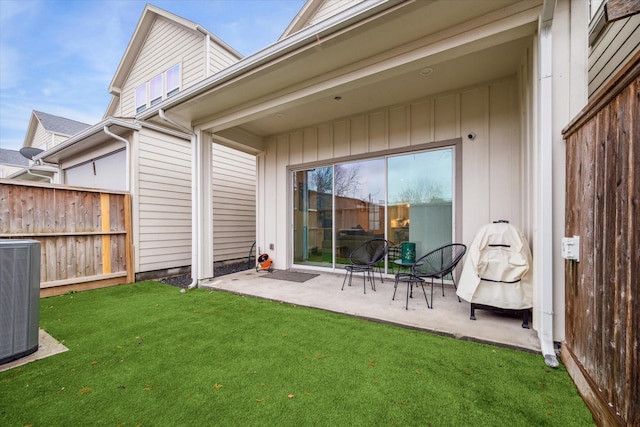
[447, 317]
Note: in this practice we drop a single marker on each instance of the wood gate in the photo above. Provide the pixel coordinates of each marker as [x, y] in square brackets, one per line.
[602, 289]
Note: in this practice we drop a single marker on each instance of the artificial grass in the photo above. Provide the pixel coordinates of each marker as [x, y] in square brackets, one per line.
[147, 355]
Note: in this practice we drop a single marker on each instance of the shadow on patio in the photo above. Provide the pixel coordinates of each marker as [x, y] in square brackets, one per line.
[448, 316]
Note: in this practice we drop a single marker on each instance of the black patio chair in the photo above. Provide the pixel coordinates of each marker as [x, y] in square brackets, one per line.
[363, 260]
[439, 263]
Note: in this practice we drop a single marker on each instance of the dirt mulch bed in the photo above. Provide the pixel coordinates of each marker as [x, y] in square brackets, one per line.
[184, 280]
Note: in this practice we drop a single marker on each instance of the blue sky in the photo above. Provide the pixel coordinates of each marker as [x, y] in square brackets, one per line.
[60, 56]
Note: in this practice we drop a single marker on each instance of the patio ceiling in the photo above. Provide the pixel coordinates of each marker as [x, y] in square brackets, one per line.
[405, 53]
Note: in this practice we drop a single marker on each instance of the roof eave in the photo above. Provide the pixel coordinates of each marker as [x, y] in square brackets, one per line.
[276, 51]
[95, 129]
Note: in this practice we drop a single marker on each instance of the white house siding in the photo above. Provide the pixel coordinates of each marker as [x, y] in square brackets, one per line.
[163, 211]
[220, 58]
[492, 176]
[59, 139]
[618, 43]
[167, 45]
[330, 8]
[234, 203]
[41, 138]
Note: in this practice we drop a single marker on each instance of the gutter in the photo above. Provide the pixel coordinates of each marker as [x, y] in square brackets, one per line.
[127, 145]
[545, 190]
[29, 172]
[195, 200]
[84, 134]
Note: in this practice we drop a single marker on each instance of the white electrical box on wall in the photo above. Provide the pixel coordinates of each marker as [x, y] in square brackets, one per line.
[571, 248]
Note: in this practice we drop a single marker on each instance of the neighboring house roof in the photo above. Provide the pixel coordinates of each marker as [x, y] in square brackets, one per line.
[12, 157]
[59, 125]
[52, 124]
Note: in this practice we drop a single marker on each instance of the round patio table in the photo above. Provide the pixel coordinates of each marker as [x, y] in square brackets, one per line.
[409, 279]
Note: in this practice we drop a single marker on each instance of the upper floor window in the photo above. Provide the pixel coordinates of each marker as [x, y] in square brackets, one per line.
[158, 88]
[141, 98]
[173, 80]
[155, 90]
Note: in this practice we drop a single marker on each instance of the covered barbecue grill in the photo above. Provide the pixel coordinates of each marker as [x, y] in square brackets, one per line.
[497, 272]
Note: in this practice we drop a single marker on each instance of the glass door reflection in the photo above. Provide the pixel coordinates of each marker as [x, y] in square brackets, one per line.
[312, 217]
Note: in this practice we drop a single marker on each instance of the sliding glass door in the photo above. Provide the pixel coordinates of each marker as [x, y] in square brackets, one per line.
[403, 198]
[420, 204]
[359, 205]
[313, 217]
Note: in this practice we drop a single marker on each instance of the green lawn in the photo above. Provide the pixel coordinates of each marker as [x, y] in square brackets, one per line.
[147, 355]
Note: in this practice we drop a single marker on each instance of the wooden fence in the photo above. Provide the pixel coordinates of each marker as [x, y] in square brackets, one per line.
[85, 234]
[601, 290]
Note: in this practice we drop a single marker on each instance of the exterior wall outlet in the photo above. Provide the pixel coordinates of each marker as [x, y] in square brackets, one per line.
[271, 246]
[571, 248]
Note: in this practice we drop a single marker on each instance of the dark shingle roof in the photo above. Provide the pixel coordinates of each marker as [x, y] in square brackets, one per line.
[12, 157]
[60, 125]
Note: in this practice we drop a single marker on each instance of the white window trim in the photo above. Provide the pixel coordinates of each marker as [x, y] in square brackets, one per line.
[141, 106]
[165, 90]
[153, 100]
[170, 91]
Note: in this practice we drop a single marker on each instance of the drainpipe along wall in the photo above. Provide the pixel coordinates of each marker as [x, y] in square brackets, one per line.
[545, 190]
[195, 200]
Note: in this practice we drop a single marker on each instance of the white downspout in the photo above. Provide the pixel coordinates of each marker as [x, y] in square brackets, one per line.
[195, 199]
[545, 190]
[28, 169]
[207, 51]
[127, 146]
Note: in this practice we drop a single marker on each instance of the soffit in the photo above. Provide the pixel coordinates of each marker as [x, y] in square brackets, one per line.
[373, 64]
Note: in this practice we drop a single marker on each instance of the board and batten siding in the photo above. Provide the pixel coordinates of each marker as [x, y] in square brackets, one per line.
[163, 211]
[168, 44]
[234, 203]
[492, 175]
[617, 44]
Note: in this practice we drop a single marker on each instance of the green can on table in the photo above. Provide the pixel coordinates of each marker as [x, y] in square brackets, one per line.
[408, 252]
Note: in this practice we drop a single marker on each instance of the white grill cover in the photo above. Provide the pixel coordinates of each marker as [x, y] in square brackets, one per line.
[500, 255]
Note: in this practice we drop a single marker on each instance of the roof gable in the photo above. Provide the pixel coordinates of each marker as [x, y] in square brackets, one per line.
[149, 15]
[315, 11]
[52, 124]
[215, 54]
